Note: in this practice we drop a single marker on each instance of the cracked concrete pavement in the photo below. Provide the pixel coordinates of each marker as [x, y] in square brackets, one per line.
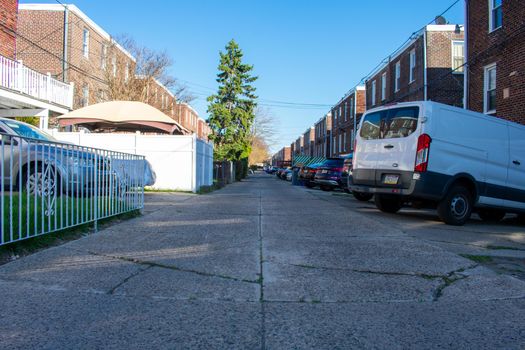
[264, 265]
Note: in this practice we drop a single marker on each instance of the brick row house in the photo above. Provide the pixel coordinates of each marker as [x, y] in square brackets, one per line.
[299, 146]
[74, 49]
[345, 115]
[323, 129]
[428, 67]
[495, 79]
[25, 92]
[309, 142]
[283, 157]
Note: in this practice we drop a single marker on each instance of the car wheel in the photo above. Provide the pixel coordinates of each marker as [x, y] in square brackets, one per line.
[491, 214]
[309, 184]
[388, 204]
[521, 218]
[326, 188]
[346, 190]
[363, 197]
[40, 180]
[456, 207]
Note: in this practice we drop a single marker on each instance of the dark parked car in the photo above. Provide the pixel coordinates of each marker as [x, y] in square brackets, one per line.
[307, 174]
[329, 174]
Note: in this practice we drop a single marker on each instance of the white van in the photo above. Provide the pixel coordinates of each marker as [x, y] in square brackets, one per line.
[428, 152]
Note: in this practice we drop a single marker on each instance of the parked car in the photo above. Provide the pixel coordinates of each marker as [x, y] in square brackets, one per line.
[289, 175]
[44, 165]
[307, 174]
[454, 159]
[329, 174]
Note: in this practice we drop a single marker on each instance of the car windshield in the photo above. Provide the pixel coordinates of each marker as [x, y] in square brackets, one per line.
[390, 123]
[26, 130]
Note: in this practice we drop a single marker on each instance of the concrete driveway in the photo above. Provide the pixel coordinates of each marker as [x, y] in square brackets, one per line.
[259, 265]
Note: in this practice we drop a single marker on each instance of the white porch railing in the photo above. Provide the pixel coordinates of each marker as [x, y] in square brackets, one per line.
[15, 76]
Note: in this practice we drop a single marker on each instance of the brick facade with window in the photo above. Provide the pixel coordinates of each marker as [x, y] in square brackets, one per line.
[495, 31]
[323, 128]
[431, 53]
[346, 114]
[8, 27]
[299, 146]
[309, 142]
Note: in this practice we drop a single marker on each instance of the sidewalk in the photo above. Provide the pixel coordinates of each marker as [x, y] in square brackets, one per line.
[258, 264]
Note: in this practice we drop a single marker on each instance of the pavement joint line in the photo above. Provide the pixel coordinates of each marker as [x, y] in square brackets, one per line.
[170, 267]
[375, 272]
[261, 277]
[125, 280]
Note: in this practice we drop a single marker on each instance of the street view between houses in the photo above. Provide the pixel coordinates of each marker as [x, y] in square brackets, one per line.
[262, 175]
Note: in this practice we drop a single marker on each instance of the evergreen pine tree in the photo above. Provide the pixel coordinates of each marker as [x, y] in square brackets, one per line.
[232, 109]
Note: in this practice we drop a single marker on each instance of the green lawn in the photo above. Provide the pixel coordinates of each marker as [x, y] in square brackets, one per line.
[25, 216]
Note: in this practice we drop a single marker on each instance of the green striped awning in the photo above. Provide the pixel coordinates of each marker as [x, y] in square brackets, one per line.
[306, 160]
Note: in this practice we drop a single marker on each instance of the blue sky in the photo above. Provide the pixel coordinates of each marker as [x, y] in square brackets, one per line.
[303, 51]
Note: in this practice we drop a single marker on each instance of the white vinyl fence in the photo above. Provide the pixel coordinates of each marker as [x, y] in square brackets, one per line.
[180, 162]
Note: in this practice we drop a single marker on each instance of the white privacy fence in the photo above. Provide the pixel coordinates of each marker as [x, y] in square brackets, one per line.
[50, 186]
[15, 76]
[180, 162]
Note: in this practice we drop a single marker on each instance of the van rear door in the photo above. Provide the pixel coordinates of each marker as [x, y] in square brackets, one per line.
[387, 147]
[516, 173]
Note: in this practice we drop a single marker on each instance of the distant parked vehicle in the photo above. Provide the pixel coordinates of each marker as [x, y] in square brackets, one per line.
[452, 158]
[329, 174]
[307, 174]
[289, 175]
[347, 178]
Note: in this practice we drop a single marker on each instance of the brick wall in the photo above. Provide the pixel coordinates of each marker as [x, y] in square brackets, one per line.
[342, 121]
[8, 27]
[443, 85]
[505, 47]
[309, 142]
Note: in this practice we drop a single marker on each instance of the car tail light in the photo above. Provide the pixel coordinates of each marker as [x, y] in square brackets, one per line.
[423, 149]
[337, 169]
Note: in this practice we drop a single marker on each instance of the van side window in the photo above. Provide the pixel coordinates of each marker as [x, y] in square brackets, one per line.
[390, 123]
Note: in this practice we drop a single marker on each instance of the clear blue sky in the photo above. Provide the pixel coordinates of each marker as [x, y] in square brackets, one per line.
[303, 51]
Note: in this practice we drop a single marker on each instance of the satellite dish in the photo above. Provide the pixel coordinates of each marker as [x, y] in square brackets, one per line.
[440, 20]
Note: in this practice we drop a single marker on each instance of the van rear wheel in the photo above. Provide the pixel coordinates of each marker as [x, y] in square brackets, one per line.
[387, 203]
[491, 214]
[456, 207]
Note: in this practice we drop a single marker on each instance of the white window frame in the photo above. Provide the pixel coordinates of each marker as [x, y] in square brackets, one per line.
[486, 75]
[104, 57]
[412, 66]
[397, 70]
[344, 141]
[126, 73]
[114, 65]
[85, 43]
[383, 86]
[373, 92]
[454, 70]
[85, 96]
[491, 16]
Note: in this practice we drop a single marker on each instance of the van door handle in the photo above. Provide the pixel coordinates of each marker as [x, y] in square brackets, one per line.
[517, 162]
[389, 146]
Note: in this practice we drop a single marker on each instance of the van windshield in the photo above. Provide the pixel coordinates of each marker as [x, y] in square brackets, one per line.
[390, 123]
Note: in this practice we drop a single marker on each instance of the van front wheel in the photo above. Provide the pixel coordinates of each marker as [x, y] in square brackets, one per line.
[387, 203]
[456, 207]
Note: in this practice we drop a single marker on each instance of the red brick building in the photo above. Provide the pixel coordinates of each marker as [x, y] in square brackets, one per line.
[495, 82]
[8, 27]
[298, 148]
[309, 142]
[428, 67]
[323, 129]
[282, 158]
[346, 114]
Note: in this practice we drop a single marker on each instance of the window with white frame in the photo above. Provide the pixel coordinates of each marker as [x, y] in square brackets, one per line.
[103, 56]
[458, 56]
[489, 89]
[346, 111]
[85, 95]
[85, 43]
[114, 65]
[412, 65]
[351, 107]
[340, 141]
[344, 141]
[383, 86]
[397, 76]
[126, 73]
[335, 144]
[495, 15]
[373, 92]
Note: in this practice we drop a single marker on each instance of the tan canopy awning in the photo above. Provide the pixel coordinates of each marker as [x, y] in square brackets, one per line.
[123, 115]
